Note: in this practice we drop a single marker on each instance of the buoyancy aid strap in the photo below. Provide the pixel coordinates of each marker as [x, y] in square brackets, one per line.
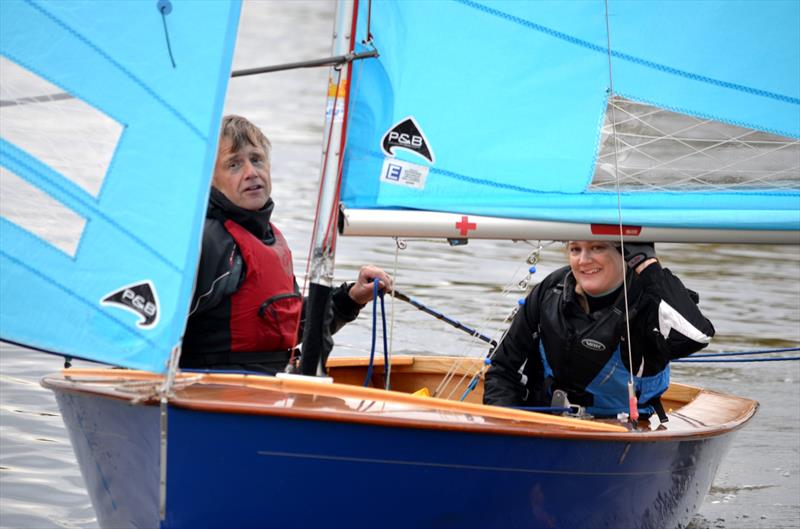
[656, 404]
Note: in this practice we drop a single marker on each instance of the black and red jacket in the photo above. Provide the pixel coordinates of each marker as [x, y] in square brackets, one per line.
[246, 302]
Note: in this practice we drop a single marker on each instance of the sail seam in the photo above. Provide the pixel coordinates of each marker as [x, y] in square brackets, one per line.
[121, 68]
[704, 115]
[74, 295]
[75, 197]
[627, 57]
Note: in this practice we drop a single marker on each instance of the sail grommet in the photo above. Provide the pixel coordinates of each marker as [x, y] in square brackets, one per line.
[164, 7]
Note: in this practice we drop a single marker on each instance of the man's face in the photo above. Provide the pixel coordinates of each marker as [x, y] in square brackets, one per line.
[243, 176]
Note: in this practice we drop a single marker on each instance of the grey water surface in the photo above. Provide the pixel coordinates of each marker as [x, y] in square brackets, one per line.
[751, 293]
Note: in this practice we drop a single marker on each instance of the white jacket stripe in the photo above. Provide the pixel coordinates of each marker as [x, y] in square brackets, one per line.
[669, 318]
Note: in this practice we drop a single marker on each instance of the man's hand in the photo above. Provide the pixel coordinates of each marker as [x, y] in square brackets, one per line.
[361, 291]
[639, 255]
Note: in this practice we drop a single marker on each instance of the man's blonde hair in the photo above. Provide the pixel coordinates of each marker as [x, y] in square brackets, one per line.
[242, 132]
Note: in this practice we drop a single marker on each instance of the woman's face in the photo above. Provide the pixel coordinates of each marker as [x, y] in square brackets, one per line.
[596, 265]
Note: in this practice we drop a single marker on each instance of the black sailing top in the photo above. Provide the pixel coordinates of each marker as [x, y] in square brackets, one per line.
[665, 323]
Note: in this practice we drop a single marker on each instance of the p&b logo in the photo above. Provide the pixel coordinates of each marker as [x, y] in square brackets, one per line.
[409, 136]
[139, 298]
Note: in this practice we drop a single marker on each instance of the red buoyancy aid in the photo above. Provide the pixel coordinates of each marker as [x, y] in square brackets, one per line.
[266, 308]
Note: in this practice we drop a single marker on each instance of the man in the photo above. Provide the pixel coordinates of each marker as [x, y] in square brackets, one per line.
[247, 307]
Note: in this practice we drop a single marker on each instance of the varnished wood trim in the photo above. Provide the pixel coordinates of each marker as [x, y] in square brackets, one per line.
[362, 361]
[698, 413]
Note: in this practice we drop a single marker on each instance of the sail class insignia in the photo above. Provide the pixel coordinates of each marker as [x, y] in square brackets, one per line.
[409, 136]
[139, 298]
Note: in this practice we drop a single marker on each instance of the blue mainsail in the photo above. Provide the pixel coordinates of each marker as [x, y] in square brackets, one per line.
[110, 116]
[518, 110]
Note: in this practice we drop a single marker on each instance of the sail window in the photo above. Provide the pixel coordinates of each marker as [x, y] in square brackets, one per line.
[662, 150]
[40, 214]
[63, 132]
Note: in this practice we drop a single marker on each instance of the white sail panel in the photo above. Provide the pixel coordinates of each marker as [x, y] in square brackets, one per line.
[55, 127]
[651, 148]
[40, 214]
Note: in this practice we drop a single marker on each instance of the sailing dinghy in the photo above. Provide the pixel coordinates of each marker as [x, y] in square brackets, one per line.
[449, 132]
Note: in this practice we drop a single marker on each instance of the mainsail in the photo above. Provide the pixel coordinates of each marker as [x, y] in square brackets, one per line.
[110, 115]
[535, 110]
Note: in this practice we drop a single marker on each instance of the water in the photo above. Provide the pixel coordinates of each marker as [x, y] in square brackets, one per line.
[751, 293]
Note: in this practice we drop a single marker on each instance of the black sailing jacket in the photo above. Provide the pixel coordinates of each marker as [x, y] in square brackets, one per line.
[665, 323]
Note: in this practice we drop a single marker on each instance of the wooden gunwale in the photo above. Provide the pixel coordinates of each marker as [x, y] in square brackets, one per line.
[703, 413]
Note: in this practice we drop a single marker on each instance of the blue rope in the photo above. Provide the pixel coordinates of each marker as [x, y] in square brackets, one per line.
[374, 331]
[474, 382]
[704, 357]
[470, 387]
[165, 8]
[699, 361]
[375, 295]
[737, 353]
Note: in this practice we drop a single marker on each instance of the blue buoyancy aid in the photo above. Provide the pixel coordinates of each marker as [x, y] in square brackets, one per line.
[609, 388]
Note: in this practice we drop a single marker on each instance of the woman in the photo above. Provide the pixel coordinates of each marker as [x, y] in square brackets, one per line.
[570, 333]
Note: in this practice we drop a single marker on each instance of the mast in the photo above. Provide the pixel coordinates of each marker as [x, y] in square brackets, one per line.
[317, 342]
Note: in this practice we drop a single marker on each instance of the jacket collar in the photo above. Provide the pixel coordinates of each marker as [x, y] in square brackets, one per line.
[256, 222]
[573, 293]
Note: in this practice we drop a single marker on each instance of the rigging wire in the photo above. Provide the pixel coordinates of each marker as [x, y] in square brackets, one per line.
[532, 259]
[633, 405]
[525, 284]
[329, 238]
[331, 232]
[397, 247]
[312, 242]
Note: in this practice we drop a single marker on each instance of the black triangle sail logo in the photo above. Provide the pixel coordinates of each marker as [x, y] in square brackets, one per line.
[139, 298]
[409, 136]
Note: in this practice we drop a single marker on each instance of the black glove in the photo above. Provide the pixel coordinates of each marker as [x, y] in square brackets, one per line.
[638, 252]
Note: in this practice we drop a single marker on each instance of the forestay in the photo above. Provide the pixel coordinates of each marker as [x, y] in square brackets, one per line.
[110, 115]
[505, 109]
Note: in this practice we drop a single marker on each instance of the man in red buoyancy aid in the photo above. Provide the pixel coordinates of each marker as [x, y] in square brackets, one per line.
[247, 307]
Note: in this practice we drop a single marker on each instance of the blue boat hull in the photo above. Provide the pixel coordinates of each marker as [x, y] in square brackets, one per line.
[245, 470]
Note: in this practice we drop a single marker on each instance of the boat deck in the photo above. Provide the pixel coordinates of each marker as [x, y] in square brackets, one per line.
[693, 412]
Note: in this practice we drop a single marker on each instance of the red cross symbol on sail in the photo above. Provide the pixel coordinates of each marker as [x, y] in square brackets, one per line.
[464, 226]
